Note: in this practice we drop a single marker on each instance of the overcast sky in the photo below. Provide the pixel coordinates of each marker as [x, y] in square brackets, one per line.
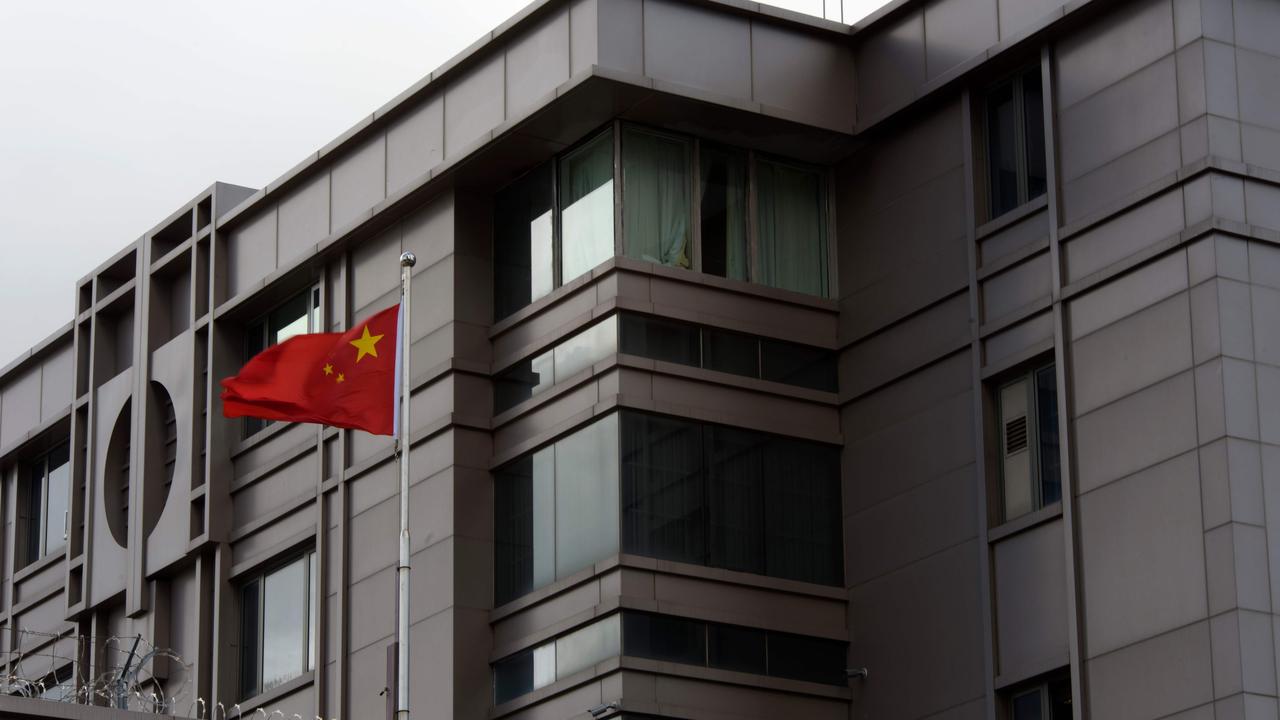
[113, 114]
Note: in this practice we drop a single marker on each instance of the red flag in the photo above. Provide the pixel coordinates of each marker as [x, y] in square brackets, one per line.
[342, 379]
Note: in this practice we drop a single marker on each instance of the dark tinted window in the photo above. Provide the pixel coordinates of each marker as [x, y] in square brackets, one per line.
[250, 636]
[668, 340]
[801, 365]
[522, 241]
[731, 352]
[517, 384]
[1033, 129]
[1015, 142]
[802, 511]
[513, 534]
[662, 637]
[663, 490]
[724, 213]
[1047, 429]
[735, 489]
[512, 677]
[806, 658]
[741, 649]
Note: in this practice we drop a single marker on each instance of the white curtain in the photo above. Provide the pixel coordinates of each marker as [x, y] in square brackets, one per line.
[655, 197]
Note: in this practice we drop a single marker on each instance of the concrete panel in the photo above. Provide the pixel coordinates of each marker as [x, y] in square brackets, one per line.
[1142, 555]
[1263, 202]
[415, 143]
[375, 267]
[1136, 432]
[1222, 86]
[1105, 187]
[1033, 332]
[805, 75]
[890, 65]
[693, 597]
[1016, 288]
[1191, 90]
[304, 219]
[1031, 600]
[1261, 145]
[429, 232]
[1016, 16]
[926, 519]
[1123, 236]
[926, 643]
[1118, 44]
[1131, 354]
[1142, 288]
[584, 30]
[20, 406]
[473, 105]
[921, 150]
[1131, 113]
[537, 63]
[1257, 25]
[251, 252]
[359, 181]
[956, 30]
[699, 47]
[702, 699]
[1154, 678]
[910, 396]
[620, 42]
[1020, 235]
[926, 336]
[55, 383]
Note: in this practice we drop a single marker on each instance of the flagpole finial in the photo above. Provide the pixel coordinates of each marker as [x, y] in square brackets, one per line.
[408, 259]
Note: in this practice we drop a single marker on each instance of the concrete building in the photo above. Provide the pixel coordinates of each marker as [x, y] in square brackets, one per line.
[750, 351]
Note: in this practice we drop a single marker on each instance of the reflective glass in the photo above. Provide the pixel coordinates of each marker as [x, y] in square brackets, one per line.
[1047, 430]
[586, 349]
[655, 197]
[34, 511]
[1002, 150]
[1028, 706]
[724, 213]
[512, 677]
[664, 510]
[801, 365]
[740, 649]
[58, 495]
[664, 637]
[802, 511]
[731, 352]
[250, 637]
[289, 319]
[1033, 118]
[583, 648]
[586, 496]
[284, 624]
[660, 339]
[523, 234]
[586, 207]
[522, 381]
[735, 488]
[513, 530]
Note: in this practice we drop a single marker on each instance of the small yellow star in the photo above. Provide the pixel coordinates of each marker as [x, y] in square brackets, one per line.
[341, 377]
[366, 344]
[328, 369]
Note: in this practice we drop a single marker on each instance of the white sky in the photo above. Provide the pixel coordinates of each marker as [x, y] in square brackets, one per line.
[114, 114]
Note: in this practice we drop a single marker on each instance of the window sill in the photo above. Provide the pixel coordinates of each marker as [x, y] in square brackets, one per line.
[1025, 210]
[275, 693]
[1022, 523]
[34, 567]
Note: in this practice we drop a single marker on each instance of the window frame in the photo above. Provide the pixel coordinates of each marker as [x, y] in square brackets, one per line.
[1042, 686]
[1013, 80]
[309, 560]
[696, 144]
[1026, 374]
[261, 326]
[32, 555]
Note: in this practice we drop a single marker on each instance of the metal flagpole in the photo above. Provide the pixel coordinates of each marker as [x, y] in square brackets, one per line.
[407, 261]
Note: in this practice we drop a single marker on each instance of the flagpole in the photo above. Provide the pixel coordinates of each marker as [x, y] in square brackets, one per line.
[407, 261]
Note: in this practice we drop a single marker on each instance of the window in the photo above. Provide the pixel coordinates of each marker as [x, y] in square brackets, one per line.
[47, 490]
[1015, 142]
[1044, 700]
[277, 626]
[557, 221]
[297, 315]
[540, 666]
[1028, 431]
[687, 491]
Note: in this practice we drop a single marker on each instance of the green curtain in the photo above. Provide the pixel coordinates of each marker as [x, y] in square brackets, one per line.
[655, 197]
[586, 205]
[792, 243]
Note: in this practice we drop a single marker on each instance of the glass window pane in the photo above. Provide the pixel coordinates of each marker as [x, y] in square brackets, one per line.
[1047, 432]
[664, 512]
[586, 349]
[284, 625]
[1002, 150]
[666, 638]
[735, 499]
[522, 381]
[513, 530]
[791, 235]
[583, 648]
[58, 495]
[736, 648]
[586, 496]
[802, 511]
[1033, 117]
[586, 207]
[731, 352]
[34, 511]
[655, 197]
[250, 635]
[289, 319]
[522, 241]
[724, 213]
[544, 517]
[659, 339]
[801, 365]
[1028, 706]
[312, 610]
[512, 677]
[807, 658]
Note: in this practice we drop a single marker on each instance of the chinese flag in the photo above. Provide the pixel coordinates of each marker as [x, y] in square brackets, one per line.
[342, 379]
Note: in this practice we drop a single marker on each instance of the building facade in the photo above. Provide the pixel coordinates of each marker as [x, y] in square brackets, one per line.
[763, 367]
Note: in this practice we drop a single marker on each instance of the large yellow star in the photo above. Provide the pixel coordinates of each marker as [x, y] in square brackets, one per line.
[366, 344]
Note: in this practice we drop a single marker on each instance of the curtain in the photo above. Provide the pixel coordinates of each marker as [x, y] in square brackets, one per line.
[735, 497]
[792, 233]
[724, 213]
[586, 206]
[664, 512]
[655, 199]
[802, 511]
